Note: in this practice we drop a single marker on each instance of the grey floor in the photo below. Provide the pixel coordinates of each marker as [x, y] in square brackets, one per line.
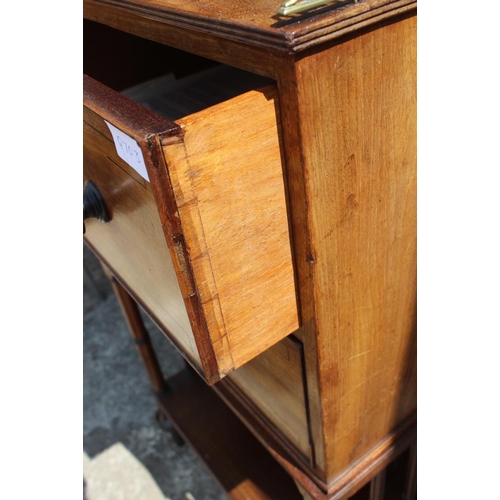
[126, 456]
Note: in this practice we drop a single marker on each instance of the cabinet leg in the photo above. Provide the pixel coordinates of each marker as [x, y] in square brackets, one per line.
[148, 356]
[410, 488]
[142, 341]
[377, 486]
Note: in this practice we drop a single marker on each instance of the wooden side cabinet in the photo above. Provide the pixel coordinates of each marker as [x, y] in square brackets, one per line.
[259, 176]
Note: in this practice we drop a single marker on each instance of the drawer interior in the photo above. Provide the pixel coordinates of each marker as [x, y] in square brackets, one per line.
[175, 98]
[169, 81]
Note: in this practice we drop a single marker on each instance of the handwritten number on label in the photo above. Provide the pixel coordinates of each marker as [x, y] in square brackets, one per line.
[128, 149]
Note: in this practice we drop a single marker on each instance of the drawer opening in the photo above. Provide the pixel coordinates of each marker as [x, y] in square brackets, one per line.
[169, 81]
[121, 60]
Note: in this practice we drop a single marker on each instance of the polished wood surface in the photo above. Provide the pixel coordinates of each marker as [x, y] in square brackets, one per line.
[352, 186]
[273, 383]
[141, 337]
[356, 476]
[257, 23]
[260, 61]
[219, 437]
[133, 244]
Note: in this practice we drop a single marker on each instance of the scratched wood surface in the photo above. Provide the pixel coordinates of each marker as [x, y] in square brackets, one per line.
[352, 186]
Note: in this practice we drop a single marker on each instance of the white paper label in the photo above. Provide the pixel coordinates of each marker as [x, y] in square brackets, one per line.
[128, 150]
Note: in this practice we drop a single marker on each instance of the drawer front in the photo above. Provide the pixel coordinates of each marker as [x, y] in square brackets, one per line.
[273, 385]
[133, 244]
[203, 244]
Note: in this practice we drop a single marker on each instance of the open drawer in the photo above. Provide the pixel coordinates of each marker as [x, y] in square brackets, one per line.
[198, 232]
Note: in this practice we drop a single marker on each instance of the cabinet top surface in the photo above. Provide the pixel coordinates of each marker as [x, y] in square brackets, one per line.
[257, 22]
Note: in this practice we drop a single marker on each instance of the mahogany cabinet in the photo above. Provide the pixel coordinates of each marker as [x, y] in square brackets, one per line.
[255, 177]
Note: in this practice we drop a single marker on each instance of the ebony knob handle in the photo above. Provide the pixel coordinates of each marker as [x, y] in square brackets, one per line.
[93, 204]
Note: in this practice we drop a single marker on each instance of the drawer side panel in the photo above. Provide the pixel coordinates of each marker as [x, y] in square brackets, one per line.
[228, 181]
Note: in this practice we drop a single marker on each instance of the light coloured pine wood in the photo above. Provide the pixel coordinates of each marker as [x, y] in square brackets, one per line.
[274, 383]
[228, 182]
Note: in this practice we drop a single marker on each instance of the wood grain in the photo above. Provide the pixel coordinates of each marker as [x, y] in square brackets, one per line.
[346, 125]
[133, 242]
[228, 181]
[256, 23]
[356, 477]
[352, 186]
[221, 203]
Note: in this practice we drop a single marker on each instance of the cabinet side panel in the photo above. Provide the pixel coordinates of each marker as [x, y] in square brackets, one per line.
[352, 185]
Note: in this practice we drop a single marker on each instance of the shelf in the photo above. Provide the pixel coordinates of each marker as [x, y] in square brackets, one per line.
[241, 465]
